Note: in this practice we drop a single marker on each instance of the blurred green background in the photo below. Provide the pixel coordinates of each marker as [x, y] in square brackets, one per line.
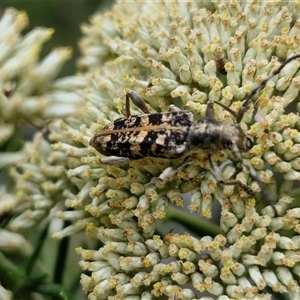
[64, 16]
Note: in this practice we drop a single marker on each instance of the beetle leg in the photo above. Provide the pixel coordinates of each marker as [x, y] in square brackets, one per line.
[227, 108]
[114, 160]
[171, 171]
[137, 100]
[173, 108]
[210, 111]
[255, 177]
[168, 173]
[218, 176]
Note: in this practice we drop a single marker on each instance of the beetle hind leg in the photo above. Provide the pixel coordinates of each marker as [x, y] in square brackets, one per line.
[114, 160]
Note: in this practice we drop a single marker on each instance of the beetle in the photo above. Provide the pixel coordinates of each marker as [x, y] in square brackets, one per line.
[175, 134]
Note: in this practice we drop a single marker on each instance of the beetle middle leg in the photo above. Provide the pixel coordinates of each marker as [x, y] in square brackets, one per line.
[114, 160]
[171, 171]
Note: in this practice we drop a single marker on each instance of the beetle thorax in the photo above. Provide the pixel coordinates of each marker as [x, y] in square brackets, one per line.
[210, 136]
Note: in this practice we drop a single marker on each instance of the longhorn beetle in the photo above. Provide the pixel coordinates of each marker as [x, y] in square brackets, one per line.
[175, 134]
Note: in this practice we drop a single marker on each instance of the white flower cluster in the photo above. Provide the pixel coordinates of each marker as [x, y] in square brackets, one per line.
[181, 48]
[182, 53]
[29, 90]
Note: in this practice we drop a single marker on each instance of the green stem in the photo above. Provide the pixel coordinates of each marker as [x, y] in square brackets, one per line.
[195, 224]
[38, 248]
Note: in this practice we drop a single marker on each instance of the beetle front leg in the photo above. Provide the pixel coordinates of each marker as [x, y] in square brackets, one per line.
[218, 176]
[255, 177]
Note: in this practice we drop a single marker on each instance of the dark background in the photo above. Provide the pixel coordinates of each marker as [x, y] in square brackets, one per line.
[64, 16]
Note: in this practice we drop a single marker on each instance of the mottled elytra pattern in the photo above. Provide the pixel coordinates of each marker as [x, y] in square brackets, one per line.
[158, 135]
